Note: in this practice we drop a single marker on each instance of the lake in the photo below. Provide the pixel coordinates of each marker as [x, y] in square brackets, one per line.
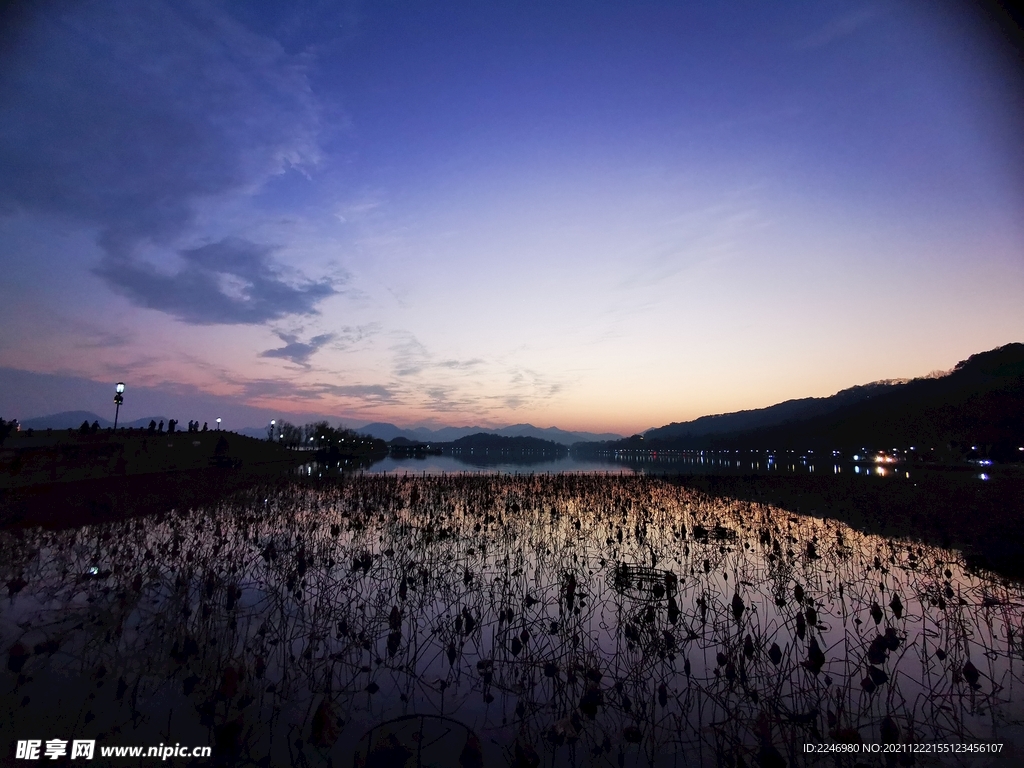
[719, 462]
[497, 619]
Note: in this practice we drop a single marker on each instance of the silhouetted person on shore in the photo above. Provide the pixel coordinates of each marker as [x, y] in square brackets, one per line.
[152, 426]
[160, 427]
[205, 427]
[172, 424]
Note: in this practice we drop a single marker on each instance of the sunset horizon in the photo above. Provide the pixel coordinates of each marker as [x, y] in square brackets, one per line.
[604, 219]
[512, 383]
[51, 395]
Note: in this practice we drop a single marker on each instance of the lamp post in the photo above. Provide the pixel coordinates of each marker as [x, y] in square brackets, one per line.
[272, 430]
[118, 399]
[218, 423]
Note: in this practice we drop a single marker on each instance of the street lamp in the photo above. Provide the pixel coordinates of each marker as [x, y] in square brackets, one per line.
[218, 424]
[273, 428]
[118, 399]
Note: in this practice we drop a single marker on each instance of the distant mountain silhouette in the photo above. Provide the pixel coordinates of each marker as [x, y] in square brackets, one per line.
[74, 419]
[979, 403]
[488, 450]
[518, 443]
[389, 432]
[773, 415]
[554, 434]
[404, 442]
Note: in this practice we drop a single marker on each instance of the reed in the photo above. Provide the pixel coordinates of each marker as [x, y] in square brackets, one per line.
[563, 620]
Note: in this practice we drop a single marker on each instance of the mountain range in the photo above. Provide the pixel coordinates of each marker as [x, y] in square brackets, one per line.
[389, 432]
[773, 415]
[981, 401]
[74, 419]
[384, 431]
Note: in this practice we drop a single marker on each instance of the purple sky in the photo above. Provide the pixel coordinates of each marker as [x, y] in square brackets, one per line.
[603, 216]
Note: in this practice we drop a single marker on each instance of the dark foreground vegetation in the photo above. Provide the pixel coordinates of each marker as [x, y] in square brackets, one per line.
[112, 499]
[63, 456]
[947, 508]
[36, 457]
[505, 620]
[68, 478]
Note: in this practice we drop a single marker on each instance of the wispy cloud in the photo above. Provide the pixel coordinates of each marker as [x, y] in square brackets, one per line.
[297, 351]
[528, 387]
[448, 399]
[232, 281]
[469, 386]
[460, 365]
[89, 335]
[124, 117]
[376, 393]
[349, 336]
[692, 239]
[361, 394]
[360, 208]
[839, 27]
[410, 357]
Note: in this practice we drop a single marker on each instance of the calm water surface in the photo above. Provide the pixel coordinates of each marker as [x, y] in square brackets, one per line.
[549, 620]
[436, 465]
[690, 463]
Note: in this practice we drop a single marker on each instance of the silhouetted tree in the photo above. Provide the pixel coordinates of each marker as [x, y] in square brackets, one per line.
[6, 427]
[291, 434]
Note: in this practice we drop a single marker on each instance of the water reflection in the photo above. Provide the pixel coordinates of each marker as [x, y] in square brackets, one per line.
[892, 464]
[437, 465]
[564, 619]
[896, 465]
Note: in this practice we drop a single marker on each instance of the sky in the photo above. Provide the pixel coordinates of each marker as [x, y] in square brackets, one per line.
[602, 216]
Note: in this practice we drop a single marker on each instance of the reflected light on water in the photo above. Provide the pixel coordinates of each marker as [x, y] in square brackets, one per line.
[589, 619]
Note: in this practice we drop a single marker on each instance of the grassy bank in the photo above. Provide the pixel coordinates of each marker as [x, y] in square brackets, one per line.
[50, 457]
